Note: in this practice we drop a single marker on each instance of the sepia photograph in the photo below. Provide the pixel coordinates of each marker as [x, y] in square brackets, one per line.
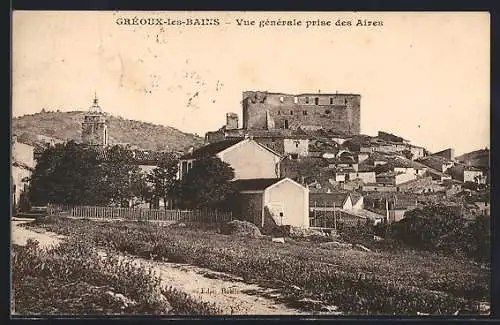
[250, 163]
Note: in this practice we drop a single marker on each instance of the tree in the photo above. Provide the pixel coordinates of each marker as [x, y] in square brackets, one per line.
[207, 184]
[120, 171]
[163, 178]
[141, 189]
[67, 174]
[408, 154]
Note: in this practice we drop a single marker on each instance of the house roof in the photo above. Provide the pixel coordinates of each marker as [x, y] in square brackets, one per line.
[388, 174]
[256, 184]
[433, 161]
[211, 149]
[328, 199]
[364, 167]
[390, 137]
[355, 197]
[216, 147]
[399, 162]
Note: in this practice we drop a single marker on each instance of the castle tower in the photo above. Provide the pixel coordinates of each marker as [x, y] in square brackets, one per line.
[94, 128]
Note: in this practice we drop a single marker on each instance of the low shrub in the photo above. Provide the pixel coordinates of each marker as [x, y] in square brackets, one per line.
[240, 228]
[439, 228]
[357, 282]
[73, 279]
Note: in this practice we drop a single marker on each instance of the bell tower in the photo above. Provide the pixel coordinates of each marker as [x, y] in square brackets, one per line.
[94, 128]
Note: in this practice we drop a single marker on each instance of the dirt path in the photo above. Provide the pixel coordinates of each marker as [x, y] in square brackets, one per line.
[229, 293]
[19, 235]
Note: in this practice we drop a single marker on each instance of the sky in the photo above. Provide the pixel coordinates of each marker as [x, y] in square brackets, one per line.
[423, 76]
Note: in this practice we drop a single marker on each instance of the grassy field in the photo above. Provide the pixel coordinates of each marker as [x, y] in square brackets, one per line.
[73, 280]
[401, 283]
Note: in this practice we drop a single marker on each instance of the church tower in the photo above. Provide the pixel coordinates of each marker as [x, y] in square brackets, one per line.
[94, 128]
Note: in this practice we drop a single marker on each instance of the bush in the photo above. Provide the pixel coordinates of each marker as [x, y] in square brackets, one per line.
[241, 228]
[439, 228]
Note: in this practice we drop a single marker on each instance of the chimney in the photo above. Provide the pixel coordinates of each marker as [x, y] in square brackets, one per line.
[231, 121]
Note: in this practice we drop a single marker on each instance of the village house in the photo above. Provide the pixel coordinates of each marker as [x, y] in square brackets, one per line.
[330, 201]
[247, 157]
[362, 156]
[22, 165]
[448, 154]
[375, 187]
[437, 175]
[421, 186]
[377, 159]
[364, 175]
[396, 209]
[466, 174]
[481, 208]
[343, 164]
[438, 163]
[452, 187]
[394, 178]
[392, 205]
[273, 202]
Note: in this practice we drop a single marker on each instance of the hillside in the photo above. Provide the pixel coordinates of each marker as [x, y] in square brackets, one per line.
[478, 158]
[67, 126]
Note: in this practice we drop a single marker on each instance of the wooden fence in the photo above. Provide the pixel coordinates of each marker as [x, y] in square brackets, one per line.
[140, 214]
[334, 219]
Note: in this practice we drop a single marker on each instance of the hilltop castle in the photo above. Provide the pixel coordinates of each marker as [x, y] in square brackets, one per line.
[276, 115]
[336, 112]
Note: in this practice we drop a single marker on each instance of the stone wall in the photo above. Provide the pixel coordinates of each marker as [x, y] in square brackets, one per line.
[339, 112]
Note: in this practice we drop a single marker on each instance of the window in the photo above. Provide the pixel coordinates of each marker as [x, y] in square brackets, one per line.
[291, 112]
[295, 100]
[307, 100]
[327, 111]
[304, 112]
[279, 112]
[286, 124]
[316, 101]
[345, 101]
[282, 99]
[331, 101]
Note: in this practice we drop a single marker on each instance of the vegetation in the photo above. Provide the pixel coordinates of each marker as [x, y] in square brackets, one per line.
[73, 279]
[478, 158]
[438, 228]
[72, 173]
[357, 282]
[408, 154]
[66, 126]
[207, 184]
[163, 179]
[76, 174]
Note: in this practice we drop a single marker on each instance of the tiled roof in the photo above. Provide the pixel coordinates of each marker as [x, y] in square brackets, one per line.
[388, 174]
[256, 184]
[355, 197]
[211, 149]
[390, 137]
[364, 167]
[327, 199]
